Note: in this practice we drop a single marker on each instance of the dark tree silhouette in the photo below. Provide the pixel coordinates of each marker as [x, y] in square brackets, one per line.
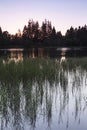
[0, 35]
[34, 35]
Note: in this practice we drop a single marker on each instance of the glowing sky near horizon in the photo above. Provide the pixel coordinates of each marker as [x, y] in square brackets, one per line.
[63, 14]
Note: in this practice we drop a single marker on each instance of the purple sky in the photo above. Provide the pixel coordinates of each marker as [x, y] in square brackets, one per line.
[63, 14]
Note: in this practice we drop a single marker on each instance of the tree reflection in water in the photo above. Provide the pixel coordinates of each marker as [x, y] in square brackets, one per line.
[42, 92]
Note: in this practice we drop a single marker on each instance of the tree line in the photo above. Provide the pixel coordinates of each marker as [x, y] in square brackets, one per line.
[34, 35]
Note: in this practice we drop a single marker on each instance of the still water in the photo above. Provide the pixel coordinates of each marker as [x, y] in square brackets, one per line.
[43, 94]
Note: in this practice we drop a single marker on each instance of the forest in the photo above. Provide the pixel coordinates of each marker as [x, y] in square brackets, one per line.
[34, 35]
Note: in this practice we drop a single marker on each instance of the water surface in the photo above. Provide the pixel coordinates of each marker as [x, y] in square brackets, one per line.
[47, 94]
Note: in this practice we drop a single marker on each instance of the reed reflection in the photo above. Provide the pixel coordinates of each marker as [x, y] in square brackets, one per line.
[36, 90]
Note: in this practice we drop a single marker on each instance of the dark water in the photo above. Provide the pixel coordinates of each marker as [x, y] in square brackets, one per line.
[55, 98]
[44, 52]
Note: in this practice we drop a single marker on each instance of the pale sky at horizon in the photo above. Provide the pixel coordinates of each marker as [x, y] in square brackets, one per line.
[62, 13]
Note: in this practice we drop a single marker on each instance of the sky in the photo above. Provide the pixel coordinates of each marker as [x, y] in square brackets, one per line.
[63, 14]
